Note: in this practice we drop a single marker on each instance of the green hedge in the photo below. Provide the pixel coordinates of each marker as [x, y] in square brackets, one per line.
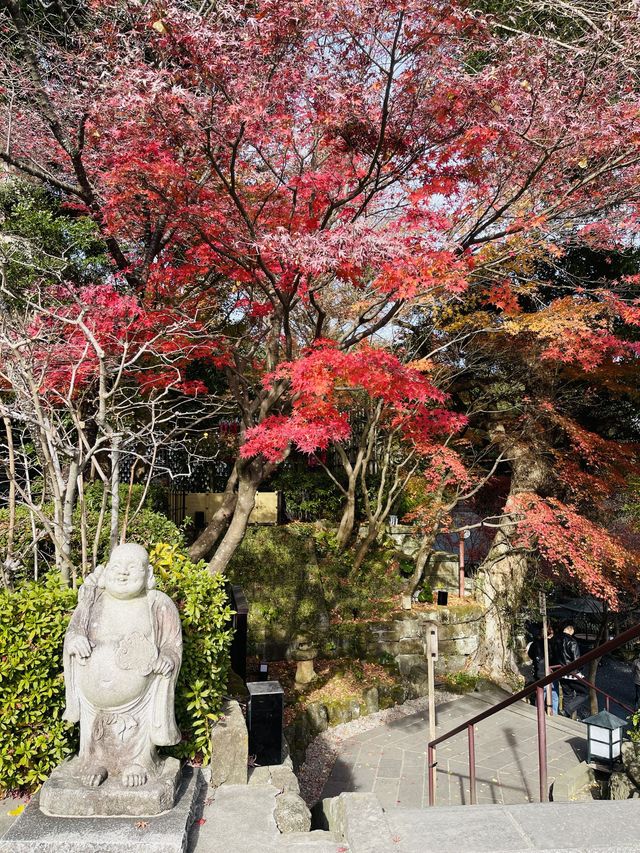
[33, 736]
[33, 620]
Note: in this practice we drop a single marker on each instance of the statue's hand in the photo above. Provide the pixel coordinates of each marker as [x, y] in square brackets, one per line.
[163, 666]
[80, 647]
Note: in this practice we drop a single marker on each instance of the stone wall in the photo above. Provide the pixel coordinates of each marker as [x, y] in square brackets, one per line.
[400, 639]
[403, 638]
[442, 569]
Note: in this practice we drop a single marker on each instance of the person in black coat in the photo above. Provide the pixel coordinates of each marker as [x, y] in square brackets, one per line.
[536, 654]
[566, 651]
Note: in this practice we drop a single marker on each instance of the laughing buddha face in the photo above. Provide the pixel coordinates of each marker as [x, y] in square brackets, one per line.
[128, 573]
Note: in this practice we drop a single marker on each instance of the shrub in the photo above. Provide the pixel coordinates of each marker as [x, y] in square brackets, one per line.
[206, 635]
[426, 594]
[33, 620]
[309, 494]
[33, 736]
[634, 729]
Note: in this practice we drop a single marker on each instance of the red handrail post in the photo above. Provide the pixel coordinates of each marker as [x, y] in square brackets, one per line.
[542, 745]
[472, 765]
[431, 770]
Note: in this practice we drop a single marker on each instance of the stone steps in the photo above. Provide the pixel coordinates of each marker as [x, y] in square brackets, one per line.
[594, 827]
[242, 819]
[589, 827]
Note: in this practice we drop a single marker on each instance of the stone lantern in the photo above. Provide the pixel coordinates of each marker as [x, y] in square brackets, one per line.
[304, 652]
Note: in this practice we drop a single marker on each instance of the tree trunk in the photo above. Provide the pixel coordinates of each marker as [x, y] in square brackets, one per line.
[500, 582]
[67, 569]
[348, 519]
[502, 575]
[204, 544]
[11, 472]
[365, 544]
[115, 493]
[422, 557]
[249, 480]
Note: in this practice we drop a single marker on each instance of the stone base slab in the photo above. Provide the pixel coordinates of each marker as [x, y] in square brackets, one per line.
[36, 832]
[65, 795]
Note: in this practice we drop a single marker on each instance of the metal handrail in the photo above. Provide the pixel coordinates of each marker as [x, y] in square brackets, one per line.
[608, 698]
[537, 687]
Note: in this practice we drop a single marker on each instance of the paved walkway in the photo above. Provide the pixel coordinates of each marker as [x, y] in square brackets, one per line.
[390, 760]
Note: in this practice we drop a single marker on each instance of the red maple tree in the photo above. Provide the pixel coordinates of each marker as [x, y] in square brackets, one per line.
[303, 171]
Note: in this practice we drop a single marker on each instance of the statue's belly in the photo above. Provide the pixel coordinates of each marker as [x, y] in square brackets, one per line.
[105, 684]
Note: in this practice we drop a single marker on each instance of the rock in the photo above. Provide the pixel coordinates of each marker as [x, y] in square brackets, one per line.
[370, 699]
[620, 786]
[284, 778]
[286, 754]
[236, 687]
[291, 813]
[419, 681]
[390, 696]
[260, 776]
[356, 708]
[338, 712]
[359, 820]
[229, 747]
[318, 717]
[631, 761]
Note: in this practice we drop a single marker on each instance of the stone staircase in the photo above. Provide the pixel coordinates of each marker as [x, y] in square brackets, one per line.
[390, 760]
[594, 827]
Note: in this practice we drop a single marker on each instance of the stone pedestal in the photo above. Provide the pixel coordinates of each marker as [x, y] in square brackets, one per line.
[36, 832]
[65, 795]
[305, 673]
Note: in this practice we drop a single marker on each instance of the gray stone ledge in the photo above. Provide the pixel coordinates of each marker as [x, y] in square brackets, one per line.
[35, 832]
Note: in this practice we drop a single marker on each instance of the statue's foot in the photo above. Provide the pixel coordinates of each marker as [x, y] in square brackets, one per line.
[134, 776]
[94, 776]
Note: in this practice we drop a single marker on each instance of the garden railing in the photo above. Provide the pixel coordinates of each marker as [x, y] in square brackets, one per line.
[536, 687]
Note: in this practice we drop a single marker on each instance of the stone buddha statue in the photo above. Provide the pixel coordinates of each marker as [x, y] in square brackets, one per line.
[122, 654]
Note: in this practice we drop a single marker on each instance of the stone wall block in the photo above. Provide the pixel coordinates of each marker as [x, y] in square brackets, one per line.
[411, 647]
[229, 747]
[407, 629]
[405, 662]
[462, 646]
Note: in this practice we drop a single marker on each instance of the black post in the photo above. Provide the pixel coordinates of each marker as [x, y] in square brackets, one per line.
[238, 652]
[264, 721]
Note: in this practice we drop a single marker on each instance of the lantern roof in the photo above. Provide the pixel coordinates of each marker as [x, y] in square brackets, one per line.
[605, 720]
